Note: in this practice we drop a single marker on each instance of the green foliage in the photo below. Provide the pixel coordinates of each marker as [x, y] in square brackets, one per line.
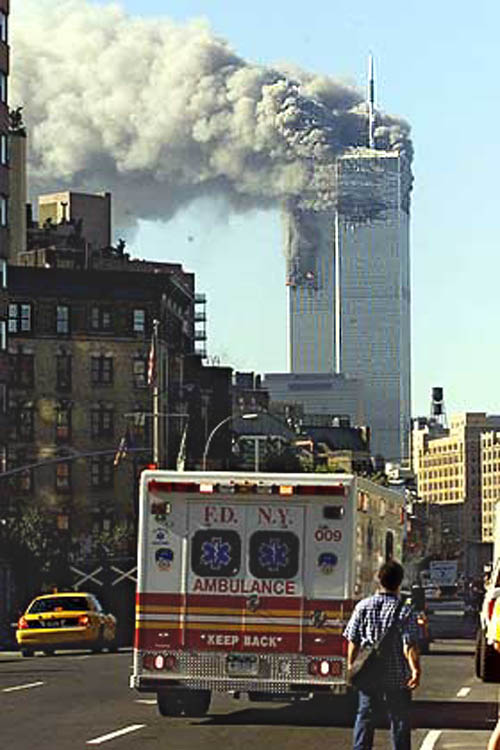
[120, 539]
[33, 534]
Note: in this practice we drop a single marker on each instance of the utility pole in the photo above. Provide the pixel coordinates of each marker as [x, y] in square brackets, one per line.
[156, 397]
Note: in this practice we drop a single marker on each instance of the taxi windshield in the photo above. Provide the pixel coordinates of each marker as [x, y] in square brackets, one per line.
[54, 603]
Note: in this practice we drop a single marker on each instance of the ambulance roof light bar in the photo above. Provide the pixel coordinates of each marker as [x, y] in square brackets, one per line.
[245, 488]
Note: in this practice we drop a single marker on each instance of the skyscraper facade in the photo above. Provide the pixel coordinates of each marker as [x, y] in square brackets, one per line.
[4, 225]
[349, 289]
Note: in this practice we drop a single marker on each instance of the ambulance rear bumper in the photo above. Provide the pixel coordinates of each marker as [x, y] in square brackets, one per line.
[149, 684]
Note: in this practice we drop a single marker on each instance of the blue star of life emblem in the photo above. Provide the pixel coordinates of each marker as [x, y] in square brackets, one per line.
[273, 555]
[216, 554]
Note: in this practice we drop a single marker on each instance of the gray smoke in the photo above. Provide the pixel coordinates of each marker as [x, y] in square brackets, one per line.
[161, 114]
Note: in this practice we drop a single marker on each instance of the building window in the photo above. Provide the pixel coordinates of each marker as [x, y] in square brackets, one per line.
[4, 150]
[3, 273]
[139, 321]
[63, 424]
[25, 422]
[62, 319]
[24, 481]
[3, 87]
[63, 477]
[102, 370]
[100, 318]
[63, 372]
[102, 422]
[101, 472]
[4, 218]
[3, 335]
[22, 370]
[3, 26]
[19, 318]
[140, 367]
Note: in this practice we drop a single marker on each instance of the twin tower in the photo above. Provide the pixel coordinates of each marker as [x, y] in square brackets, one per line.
[348, 280]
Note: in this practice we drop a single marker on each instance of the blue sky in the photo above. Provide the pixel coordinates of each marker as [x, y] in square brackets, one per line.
[437, 66]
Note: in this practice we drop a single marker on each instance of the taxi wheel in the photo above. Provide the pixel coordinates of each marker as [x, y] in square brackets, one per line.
[27, 651]
[48, 651]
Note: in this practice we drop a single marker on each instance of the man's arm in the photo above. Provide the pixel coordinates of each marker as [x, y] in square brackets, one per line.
[412, 655]
[352, 652]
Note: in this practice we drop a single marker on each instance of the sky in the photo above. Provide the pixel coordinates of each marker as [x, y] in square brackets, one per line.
[436, 66]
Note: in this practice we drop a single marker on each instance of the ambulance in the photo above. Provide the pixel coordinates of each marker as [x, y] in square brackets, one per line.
[246, 581]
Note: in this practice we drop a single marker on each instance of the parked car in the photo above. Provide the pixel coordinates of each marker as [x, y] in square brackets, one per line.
[487, 658]
[65, 620]
[432, 591]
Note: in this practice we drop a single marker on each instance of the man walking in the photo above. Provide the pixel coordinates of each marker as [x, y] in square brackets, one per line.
[400, 673]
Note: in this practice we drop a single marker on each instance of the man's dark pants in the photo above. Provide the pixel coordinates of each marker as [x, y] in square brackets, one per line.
[396, 704]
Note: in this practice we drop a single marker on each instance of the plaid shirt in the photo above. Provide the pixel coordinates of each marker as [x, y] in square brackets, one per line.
[370, 619]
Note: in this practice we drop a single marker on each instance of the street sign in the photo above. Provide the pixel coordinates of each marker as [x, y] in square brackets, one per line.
[443, 572]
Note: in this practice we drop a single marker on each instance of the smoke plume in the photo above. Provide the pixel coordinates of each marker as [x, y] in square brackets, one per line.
[160, 114]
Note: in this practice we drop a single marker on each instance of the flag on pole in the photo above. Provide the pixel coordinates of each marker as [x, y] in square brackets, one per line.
[123, 447]
[181, 455]
[152, 361]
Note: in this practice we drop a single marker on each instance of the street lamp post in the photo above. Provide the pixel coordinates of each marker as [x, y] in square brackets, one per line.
[220, 424]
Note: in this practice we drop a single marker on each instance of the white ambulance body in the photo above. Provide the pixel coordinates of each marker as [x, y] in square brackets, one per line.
[246, 581]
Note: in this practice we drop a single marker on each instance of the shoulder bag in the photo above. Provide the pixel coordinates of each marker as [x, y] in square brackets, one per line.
[369, 663]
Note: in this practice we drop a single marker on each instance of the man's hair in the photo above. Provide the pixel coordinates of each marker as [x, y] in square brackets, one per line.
[390, 575]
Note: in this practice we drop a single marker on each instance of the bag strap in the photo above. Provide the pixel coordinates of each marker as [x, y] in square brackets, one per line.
[392, 627]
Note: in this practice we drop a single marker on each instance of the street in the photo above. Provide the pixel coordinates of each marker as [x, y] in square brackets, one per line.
[77, 699]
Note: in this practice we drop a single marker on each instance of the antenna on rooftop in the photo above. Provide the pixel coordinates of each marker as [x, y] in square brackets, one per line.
[371, 103]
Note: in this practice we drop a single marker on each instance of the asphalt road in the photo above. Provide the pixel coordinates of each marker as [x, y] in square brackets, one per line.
[77, 700]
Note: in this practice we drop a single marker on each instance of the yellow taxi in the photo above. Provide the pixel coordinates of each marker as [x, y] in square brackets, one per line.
[63, 620]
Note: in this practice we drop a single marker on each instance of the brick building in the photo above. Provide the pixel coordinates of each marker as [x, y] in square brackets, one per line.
[78, 355]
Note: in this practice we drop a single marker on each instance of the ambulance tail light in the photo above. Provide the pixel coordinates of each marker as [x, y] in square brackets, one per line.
[148, 661]
[159, 662]
[170, 663]
[325, 667]
[313, 667]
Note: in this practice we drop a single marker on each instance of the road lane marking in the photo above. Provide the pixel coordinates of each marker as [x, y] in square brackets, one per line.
[22, 687]
[118, 733]
[463, 692]
[430, 740]
[147, 701]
